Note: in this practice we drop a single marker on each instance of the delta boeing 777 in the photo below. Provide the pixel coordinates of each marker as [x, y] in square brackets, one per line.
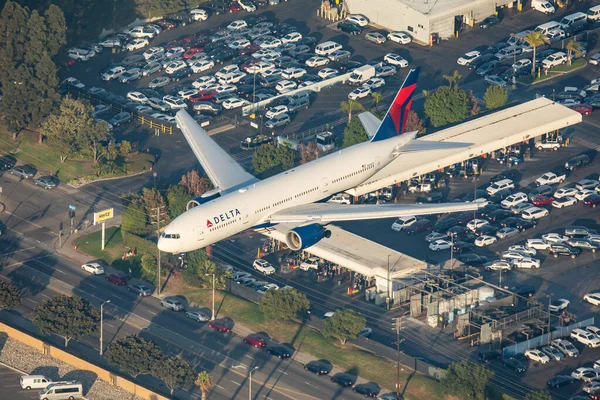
[240, 201]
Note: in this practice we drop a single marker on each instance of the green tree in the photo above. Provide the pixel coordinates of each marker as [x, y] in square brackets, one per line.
[350, 106]
[572, 47]
[495, 97]
[17, 95]
[125, 148]
[376, 98]
[453, 79]
[177, 199]
[13, 39]
[175, 372]
[134, 218]
[535, 39]
[467, 380]
[283, 304]
[473, 103]
[134, 355]
[10, 295]
[446, 105]
[204, 383]
[344, 324]
[538, 395]
[414, 123]
[354, 133]
[56, 29]
[149, 265]
[153, 200]
[195, 184]
[269, 159]
[66, 316]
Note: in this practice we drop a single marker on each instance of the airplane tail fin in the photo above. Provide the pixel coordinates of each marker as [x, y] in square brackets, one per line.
[395, 118]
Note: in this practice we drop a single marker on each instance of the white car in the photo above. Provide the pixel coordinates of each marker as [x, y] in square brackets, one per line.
[559, 305]
[374, 83]
[522, 64]
[327, 73]
[174, 102]
[290, 73]
[440, 244]
[153, 51]
[311, 263]
[563, 202]
[549, 178]
[175, 66]
[403, 222]
[265, 288]
[292, 37]
[395, 59]
[532, 213]
[585, 337]
[175, 52]
[596, 331]
[579, 372]
[554, 59]
[93, 268]
[225, 88]
[399, 37]
[537, 244]
[113, 73]
[137, 44]
[499, 265]
[512, 255]
[137, 97]
[594, 59]
[433, 236]
[187, 93]
[358, 19]
[592, 387]
[275, 111]
[75, 83]
[247, 6]
[237, 25]
[340, 198]
[234, 102]
[565, 192]
[507, 232]
[582, 194]
[359, 93]
[592, 298]
[285, 86]
[476, 223]
[523, 249]
[513, 200]
[239, 44]
[263, 266]
[537, 356]
[485, 240]
[468, 57]
[527, 262]
[553, 238]
[317, 61]
[198, 14]
[202, 65]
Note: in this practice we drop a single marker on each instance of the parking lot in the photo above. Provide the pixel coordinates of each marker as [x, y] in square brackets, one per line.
[9, 380]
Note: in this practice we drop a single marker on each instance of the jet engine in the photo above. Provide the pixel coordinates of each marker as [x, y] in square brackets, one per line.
[305, 236]
[203, 198]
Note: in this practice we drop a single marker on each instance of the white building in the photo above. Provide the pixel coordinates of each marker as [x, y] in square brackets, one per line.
[423, 18]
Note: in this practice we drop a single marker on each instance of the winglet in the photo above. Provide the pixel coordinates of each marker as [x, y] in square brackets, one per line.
[395, 118]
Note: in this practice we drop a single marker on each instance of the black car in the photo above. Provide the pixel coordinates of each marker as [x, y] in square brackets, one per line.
[445, 224]
[467, 236]
[487, 356]
[7, 162]
[489, 22]
[343, 379]
[524, 290]
[462, 247]
[559, 381]
[216, 8]
[367, 389]
[481, 60]
[224, 55]
[455, 230]
[499, 196]
[309, 78]
[472, 259]
[350, 28]
[488, 209]
[542, 190]
[510, 174]
[465, 217]
[511, 222]
[182, 73]
[486, 68]
[477, 194]
[422, 225]
[349, 65]
[308, 40]
[207, 107]
[433, 197]
[577, 162]
[562, 249]
[319, 367]
[487, 229]
[515, 364]
[279, 351]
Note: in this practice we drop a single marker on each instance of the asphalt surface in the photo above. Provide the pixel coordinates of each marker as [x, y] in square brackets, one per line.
[11, 389]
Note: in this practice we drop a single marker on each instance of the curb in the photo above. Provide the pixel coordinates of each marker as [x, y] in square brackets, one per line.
[557, 75]
[107, 179]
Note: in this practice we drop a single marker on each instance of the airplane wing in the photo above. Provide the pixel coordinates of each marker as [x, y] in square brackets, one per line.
[224, 172]
[330, 212]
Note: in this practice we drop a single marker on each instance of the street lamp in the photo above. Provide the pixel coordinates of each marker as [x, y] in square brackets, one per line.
[101, 323]
[250, 380]
[549, 315]
[212, 318]
[154, 174]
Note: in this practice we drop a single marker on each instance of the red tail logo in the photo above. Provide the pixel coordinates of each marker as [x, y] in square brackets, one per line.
[208, 223]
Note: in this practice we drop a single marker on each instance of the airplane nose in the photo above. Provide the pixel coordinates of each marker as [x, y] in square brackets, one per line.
[163, 245]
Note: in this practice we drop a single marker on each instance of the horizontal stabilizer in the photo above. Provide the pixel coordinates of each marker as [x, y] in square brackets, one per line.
[370, 123]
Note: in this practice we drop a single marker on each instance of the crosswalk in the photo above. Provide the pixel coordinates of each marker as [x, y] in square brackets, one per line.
[586, 143]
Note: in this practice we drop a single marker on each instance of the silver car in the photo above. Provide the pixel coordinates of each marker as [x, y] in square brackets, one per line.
[197, 316]
[278, 121]
[173, 304]
[24, 171]
[140, 289]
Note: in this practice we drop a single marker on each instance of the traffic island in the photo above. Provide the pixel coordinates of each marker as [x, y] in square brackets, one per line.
[553, 73]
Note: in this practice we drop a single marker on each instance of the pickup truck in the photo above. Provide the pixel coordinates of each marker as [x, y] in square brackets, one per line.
[550, 178]
[548, 145]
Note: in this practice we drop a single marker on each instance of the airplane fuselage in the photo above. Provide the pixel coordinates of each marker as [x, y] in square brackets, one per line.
[252, 205]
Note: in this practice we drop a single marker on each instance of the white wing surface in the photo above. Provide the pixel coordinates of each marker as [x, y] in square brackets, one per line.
[328, 212]
[224, 172]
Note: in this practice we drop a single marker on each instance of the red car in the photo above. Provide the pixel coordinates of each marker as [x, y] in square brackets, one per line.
[253, 48]
[222, 324]
[542, 200]
[190, 52]
[255, 340]
[592, 200]
[582, 109]
[248, 64]
[165, 25]
[234, 7]
[119, 280]
[202, 95]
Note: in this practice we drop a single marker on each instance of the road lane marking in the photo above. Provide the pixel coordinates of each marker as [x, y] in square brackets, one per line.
[220, 387]
[118, 297]
[151, 312]
[33, 301]
[24, 220]
[239, 384]
[282, 371]
[45, 295]
[17, 251]
[250, 357]
[61, 271]
[92, 285]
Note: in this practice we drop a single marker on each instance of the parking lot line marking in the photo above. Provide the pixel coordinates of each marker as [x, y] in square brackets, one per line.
[61, 271]
[118, 297]
[11, 385]
[239, 384]
[282, 371]
[250, 357]
[108, 324]
[152, 312]
[92, 285]
[220, 387]
[45, 295]
[33, 301]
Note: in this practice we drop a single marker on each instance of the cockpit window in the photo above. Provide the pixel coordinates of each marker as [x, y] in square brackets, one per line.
[170, 235]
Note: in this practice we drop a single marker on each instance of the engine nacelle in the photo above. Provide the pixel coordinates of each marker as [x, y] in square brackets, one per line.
[203, 198]
[305, 236]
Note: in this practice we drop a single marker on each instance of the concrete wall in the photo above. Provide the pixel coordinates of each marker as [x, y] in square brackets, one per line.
[61, 355]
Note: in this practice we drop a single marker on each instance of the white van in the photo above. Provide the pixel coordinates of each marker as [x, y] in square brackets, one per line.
[62, 390]
[326, 48]
[594, 13]
[573, 20]
[547, 27]
[543, 6]
[361, 74]
[34, 382]
[403, 223]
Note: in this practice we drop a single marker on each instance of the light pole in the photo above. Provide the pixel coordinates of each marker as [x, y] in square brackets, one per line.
[250, 381]
[102, 323]
[212, 318]
[154, 174]
[549, 314]
[452, 253]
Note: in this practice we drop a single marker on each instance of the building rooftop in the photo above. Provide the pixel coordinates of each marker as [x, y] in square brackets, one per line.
[442, 7]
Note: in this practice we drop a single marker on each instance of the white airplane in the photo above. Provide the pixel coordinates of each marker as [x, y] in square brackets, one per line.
[241, 201]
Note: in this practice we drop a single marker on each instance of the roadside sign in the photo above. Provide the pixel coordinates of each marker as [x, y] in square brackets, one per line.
[103, 215]
[71, 207]
[254, 125]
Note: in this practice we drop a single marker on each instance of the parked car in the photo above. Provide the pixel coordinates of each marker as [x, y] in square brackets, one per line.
[24, 171]
[117, 279]
[172, 304]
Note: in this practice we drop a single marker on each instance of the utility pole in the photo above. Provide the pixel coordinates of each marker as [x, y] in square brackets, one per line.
[549, 315]
[388, 300]
[158, 212]
[398, 328]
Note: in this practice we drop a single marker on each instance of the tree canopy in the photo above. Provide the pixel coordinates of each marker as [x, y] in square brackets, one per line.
[350, 106]
[204, 383]
[177, 199]
[354, 133]
[283, 304]
[538, 395]
[344, 324]
[174, 372]
[195, 184]
[134, 355]
[134, 219]
[269, 160]
[68, 317]
[495, 97]
[309, 152]
[10, 295]
[414, 123]
[467, 380]
[446, 105]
